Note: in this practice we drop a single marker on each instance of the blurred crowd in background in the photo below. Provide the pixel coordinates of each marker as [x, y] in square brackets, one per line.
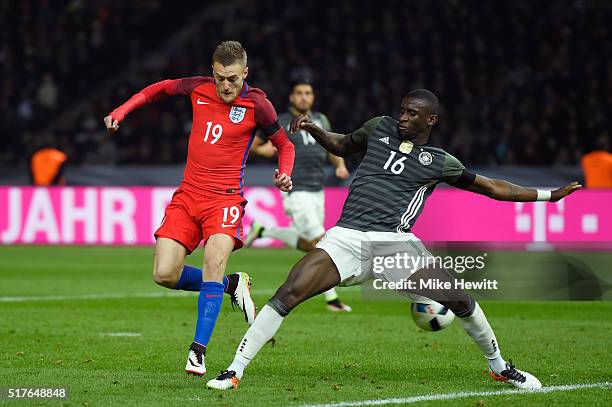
[521, 82]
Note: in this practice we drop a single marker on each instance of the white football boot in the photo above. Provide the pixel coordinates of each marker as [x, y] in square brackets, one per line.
[517, 378]
[241, 297]
[337, 306]
[226, 380]
[195, 360]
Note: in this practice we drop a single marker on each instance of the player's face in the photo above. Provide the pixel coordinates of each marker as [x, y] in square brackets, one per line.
[415, 118]
[229, 80]
[302, 98]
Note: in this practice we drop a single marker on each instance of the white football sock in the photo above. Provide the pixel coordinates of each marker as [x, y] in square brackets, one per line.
[330, 295]
[477, 326]
[261, 331]
[289, 236]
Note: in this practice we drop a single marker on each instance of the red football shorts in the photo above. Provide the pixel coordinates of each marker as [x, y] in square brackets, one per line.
[189, 218]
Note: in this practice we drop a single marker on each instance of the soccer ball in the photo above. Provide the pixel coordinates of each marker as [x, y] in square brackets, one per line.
[431, 316]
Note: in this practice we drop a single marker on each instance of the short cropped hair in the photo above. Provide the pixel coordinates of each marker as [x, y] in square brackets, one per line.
[300, 81]
[229, 52]
[427, 96]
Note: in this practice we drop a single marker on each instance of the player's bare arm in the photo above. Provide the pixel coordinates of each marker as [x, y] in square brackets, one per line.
[263, 148]
[338, 144]
[502, 190]
[338, 162]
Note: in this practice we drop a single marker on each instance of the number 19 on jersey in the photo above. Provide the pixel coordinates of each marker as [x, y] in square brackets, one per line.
[216, 132]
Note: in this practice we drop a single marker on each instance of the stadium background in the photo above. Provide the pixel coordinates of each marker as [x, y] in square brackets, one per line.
[526, 91]
[517, 80]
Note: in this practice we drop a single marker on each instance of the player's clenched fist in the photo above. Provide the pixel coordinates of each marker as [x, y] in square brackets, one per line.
[342, 172]
[112, 125]
[299, 122]
[282, 181]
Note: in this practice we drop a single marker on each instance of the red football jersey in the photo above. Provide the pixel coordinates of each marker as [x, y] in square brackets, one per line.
[221, 134]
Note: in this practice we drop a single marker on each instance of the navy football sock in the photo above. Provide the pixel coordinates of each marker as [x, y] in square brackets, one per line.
[191, 279]
[209, 305]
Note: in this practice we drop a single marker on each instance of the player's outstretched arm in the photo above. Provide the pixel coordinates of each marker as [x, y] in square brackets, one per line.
[502, 190]
[338, 144]
[151, 94]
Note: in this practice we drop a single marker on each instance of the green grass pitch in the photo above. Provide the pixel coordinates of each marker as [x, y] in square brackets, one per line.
[59, 303]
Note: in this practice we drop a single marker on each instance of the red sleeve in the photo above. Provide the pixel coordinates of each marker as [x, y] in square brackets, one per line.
[265, 115]
[158, 91]
[286, 151]
[266, 119]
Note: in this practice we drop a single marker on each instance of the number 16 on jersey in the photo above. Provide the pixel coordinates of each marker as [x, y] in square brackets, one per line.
[398, 165]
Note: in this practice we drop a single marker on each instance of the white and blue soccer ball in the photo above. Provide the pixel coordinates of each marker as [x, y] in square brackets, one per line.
[431, 316]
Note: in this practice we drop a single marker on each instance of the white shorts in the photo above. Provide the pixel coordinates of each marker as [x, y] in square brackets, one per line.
[307, 212]
[351, 251]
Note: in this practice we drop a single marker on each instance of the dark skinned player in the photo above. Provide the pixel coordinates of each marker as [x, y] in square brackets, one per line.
[398, 173]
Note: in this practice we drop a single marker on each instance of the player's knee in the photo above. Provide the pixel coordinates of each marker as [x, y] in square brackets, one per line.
[165, 276]
[306, 245]
[461, 308]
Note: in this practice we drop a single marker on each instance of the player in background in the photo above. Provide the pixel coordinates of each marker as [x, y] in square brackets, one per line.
[398, 173]
[208, 205]
[47, 167]
[305, 203]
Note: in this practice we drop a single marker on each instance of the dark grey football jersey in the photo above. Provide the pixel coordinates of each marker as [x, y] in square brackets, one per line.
[310, 157]
[394, 179]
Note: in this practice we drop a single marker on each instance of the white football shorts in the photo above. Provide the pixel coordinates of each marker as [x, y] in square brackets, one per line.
[357, 255]
[307, 212]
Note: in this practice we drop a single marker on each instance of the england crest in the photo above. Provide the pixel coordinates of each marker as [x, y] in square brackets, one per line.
[236, 114]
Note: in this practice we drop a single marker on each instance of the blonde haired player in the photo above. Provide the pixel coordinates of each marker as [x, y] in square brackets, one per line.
[208, 205]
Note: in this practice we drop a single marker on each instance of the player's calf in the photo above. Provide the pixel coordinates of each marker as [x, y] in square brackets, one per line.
[216, 254]
[217, 251]
[236, 285]
[314, 274]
